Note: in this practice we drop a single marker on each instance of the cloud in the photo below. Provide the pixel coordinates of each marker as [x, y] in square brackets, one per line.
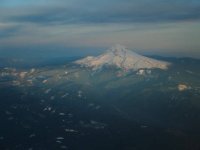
[7, 30]
[143, 24]
[114, 11]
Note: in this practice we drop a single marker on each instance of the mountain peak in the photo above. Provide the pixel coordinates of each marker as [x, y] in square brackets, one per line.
[118, 48]
[122, 58]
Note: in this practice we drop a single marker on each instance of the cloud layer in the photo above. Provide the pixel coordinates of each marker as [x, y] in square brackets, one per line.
[113, 11]
[91, 22]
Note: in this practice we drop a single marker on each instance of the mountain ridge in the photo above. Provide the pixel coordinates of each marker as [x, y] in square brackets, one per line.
[122, 58]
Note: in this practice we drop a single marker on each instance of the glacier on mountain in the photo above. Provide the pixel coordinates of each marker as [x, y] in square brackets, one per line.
[122, 58]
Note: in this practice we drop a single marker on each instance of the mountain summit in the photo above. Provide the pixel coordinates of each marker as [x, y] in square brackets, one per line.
[120, 57]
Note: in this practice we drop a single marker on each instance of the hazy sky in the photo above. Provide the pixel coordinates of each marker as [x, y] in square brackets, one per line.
[162, 27]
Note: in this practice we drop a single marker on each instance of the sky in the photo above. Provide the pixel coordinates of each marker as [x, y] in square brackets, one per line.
[83, 27]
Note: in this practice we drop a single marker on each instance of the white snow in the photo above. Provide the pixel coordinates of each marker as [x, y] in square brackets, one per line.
[44, 81]
[62, 114]
[182, 87]
[63, 147]
[120, 57]
[66, 94]
[32, 135]
[60, 138]
[58, 141]
[141, 72]
[48, 108]
[70, 130]
[23, 74]
[80, 94]
[32, 70]
[47, 91]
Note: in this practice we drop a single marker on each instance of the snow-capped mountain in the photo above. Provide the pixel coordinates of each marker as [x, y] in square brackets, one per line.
[120, 57]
